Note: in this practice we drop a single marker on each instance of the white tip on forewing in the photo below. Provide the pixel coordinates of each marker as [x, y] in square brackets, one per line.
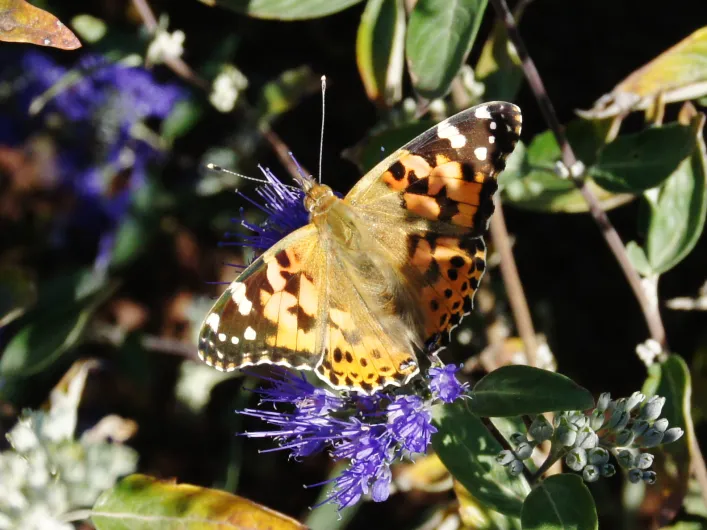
[482, 113]
[212, 321]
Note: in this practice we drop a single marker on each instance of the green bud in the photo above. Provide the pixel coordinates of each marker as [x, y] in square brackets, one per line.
[625, 438]
[661, 424]
[517, 438]
[524, 450]
[591, 474]
[672, 434]
[619, 420]
[625, 458]
[541, 429]
[596, 420]
[586, 438]
[576, 459]
[566, 433]
[505, 457]
[635, 399]
[515, 468]
[650, 438]
[608, 470]
[649, 477]
[640, 426]
[644, 461]
[598, 456]
[603, 401]
[635, 476]
[652, 408]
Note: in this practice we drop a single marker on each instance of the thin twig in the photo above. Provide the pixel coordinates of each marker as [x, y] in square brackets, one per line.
[501, 439]
[650, 313]
[514, 288]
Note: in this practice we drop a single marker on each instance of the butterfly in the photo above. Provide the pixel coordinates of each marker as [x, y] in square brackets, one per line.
[357, 293]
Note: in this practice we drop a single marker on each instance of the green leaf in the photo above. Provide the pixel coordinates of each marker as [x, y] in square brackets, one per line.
[636, 162]
[678, 74]
[284, 9]
[560, 502]
[380, 50]
[638, 258]
[439, 39]
[532, 183]
[469, 451]
[499, 66]
[140, 502]
[671, 379]
[519, 390]
[20, 21]
[181, 120]
[678, 209]
[285, 92]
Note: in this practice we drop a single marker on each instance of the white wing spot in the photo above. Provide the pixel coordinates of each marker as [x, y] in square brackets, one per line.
[245, 306]
[234, 340]
[492, 139]
[237, 292]
[212, 321]
[47, 42]
[480, 153]
[483, 113]
[493, 125]
[222, 337]
[451, 133]
[219, 353]
[249, 333]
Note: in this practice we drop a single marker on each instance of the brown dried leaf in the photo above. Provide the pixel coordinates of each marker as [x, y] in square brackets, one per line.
[22, 22]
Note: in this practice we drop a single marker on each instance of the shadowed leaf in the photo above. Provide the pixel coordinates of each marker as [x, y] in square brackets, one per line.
[468, 450]
[678, 74]
[380, 44]
[439, 38]
[560, 502]
[284, 9]
[140, 502]
[518, 390]
[22, 22]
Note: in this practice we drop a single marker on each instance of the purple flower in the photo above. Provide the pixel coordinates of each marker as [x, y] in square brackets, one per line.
[284, 207]
[444, 383]
[372, 432]
[411, 422]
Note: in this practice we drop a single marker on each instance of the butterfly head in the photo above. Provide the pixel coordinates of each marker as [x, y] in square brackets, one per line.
[318, 199]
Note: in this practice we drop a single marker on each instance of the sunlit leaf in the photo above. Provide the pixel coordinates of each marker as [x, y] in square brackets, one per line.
[468, 450]
[670, 379]
[89, 28]
[22, 22]
[636, 162]
[498, 66]
[284, 9]
[285, 92]
[533, 184]
[678, 74]
[560, 502]
[380, 46]
[439, 38]
[424, 474]
[678, 209]
[140, 502]
[475, 515]
[517, 390]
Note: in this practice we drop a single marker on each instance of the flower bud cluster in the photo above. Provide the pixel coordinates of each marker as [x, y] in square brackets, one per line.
[588, 439]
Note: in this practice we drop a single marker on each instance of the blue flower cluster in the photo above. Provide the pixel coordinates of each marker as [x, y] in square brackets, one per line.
[371, 432]
[91, 112]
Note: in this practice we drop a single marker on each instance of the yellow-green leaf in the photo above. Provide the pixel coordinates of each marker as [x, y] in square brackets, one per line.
[284, 9]
[678, 74]
[22, 22]
[380, 46]
[140, 502]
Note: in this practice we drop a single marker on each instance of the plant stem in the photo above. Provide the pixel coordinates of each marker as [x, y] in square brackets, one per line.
[504, 443]
[514, 287]
[553, 457]
[650, 313]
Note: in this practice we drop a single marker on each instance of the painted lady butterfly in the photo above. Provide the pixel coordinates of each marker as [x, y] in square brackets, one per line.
[358, 291]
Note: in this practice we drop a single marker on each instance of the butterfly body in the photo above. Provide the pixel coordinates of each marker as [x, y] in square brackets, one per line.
[355, 294]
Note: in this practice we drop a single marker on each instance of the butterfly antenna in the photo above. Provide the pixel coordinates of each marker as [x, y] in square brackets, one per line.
[219, 169]
[321, 136]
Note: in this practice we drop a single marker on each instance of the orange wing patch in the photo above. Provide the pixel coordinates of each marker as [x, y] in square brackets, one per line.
[452, 267]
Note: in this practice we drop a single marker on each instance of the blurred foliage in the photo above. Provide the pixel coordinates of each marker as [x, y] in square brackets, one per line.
[110, 227]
